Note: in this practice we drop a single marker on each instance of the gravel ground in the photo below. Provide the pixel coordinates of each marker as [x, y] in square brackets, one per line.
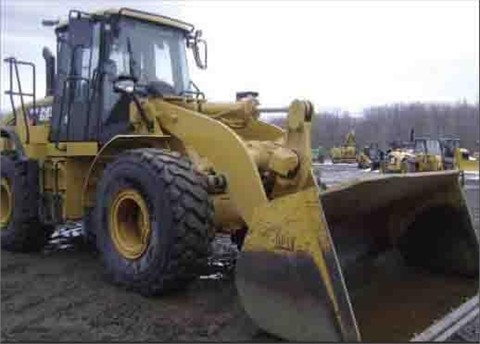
[61, 295]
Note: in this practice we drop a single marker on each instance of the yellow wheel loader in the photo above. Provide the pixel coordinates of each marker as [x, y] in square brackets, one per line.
[457, 157]
[465, 161]
[428, 155]
[421, 154]
[125, 141]
[397, 161]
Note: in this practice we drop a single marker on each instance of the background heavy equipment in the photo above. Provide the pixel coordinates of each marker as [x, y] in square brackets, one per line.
[346, 153]
[318, 154]
[420, 154]
[396, 157]
[127, 142]
[454, 156]
[465, 161]
[428, 155]
[371, 156]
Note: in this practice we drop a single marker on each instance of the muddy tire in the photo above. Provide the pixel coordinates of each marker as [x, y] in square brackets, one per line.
[89, 239]
[238, 237]
[161, 195]
[21, 228]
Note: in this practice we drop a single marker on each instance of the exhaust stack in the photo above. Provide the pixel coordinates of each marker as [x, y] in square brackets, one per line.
[49, 71]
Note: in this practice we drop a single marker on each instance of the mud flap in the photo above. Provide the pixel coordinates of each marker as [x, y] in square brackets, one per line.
[399, 251]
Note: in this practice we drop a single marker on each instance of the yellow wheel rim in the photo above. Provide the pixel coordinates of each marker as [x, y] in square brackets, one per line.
[5, 203]
[129, 224]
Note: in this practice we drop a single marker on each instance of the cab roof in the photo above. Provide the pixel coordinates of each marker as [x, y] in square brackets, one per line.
[142, 15]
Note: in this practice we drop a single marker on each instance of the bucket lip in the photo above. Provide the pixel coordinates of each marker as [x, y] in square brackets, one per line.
[372, 178]
[452, 322]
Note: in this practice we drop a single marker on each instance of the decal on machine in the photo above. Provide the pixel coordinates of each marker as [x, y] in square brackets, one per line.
[40, 114]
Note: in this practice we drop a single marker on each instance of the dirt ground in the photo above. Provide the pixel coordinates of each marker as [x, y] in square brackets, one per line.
[61, 295]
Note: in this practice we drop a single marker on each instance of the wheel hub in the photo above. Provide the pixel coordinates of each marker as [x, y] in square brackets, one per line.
[129, 224]
[5, 203]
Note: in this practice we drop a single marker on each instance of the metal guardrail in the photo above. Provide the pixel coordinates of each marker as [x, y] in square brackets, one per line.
[451, 323]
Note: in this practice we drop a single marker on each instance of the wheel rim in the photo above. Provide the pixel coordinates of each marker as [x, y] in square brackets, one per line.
[129, 224]
[5, 203]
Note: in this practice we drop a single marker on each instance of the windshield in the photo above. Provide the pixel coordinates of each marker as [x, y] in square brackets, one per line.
[428, 147]
[433, 147]
[158, 54]
[419, 146]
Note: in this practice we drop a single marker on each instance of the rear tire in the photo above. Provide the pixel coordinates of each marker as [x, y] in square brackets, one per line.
[174, 209]
[21, 228]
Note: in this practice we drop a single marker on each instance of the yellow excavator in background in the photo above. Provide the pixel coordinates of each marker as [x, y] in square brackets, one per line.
[346, 153]
[126, 143]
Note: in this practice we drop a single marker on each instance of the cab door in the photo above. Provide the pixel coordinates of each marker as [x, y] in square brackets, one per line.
[75, 97]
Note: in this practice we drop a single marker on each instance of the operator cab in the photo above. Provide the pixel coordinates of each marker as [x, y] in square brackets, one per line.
[427, 146]
[449, 145]
[108, 59]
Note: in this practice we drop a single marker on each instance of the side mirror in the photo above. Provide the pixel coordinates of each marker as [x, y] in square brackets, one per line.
[50, 22]
[124, 84]
[199, 47]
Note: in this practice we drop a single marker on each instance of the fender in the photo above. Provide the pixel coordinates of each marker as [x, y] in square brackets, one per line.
[115, 146]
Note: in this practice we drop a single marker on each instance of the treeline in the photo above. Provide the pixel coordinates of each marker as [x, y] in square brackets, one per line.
[384, 124]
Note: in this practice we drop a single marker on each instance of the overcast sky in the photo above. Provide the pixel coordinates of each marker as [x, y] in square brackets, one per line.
[342, 54]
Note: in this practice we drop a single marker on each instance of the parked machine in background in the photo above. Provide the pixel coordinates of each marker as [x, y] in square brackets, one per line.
[454, 156]
[465, 161]
[397, 156]
[449, 147]
[346, 153]
[318, 154]
[419, 154]
[370, 157]
[428, 155]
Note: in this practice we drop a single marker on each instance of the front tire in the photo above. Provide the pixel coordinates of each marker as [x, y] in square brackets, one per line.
[152, 221]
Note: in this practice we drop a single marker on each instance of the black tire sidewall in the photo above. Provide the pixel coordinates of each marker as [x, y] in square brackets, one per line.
[24, 231]
[129, 173]
[8, 172]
